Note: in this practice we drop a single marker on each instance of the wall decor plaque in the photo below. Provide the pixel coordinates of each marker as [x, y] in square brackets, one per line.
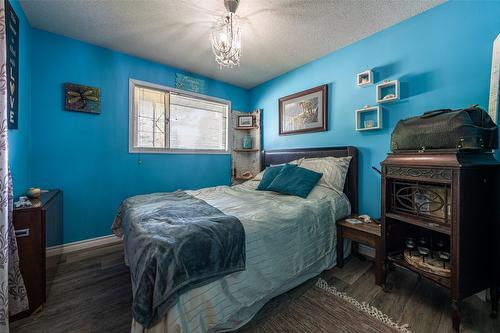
[12, 65]
[186, 82]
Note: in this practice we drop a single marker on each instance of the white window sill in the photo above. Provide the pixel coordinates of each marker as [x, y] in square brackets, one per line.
[177, 151]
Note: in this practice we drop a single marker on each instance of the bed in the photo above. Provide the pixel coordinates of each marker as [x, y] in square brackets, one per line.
[288, 241]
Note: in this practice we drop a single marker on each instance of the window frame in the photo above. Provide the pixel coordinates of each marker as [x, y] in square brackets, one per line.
[132, 149]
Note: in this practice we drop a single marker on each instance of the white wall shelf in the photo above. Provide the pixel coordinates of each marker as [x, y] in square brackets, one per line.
[369, 118]
[364, 78]
[388, 91]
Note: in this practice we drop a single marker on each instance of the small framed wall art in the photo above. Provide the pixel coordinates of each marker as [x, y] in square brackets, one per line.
[245, 121]
[303, 112]
[81, 98]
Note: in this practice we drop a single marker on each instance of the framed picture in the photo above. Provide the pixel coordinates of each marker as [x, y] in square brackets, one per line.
[81, 98]
[304, 111]
[245, 121]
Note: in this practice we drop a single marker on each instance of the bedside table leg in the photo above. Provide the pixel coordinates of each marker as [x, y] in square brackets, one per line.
[340, 248]
[455, 315]
[379, 267]
[494, 301]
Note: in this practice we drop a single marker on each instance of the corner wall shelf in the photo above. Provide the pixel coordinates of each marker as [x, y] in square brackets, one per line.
[245, 162]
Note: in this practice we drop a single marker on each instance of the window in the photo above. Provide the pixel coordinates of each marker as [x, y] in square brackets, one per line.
[164, 119]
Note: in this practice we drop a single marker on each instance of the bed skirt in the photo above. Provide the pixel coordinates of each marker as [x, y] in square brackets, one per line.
[241, 316]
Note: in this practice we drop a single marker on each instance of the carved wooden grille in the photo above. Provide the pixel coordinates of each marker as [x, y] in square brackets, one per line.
[423, 200]
[433, 173]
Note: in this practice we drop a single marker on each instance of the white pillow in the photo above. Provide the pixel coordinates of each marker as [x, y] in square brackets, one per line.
[260, 174]
[320, 192]
[334, 170]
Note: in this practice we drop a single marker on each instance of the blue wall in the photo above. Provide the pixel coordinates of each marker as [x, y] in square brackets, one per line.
[87, 155]
[19, 139]
[442, 58]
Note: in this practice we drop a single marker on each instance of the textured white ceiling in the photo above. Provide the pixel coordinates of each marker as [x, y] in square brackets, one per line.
[277, 35]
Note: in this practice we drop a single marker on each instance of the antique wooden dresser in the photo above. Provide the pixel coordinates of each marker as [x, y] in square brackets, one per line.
[440, 219]
[36, 228]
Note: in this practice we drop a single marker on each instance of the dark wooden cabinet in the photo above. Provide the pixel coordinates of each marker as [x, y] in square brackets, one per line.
[36, 228]
[450, 199]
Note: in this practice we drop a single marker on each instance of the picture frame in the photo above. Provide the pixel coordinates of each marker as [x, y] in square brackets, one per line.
[81, 98]
[304, 112]
[245, 121]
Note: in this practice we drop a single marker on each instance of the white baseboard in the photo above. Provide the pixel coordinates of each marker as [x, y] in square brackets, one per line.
[81, 245]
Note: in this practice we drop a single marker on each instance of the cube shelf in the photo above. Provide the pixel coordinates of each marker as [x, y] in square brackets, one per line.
[388, 91]
[364, 78]
[368, 118]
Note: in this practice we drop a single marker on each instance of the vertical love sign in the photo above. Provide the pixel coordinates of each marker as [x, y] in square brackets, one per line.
[12, 39]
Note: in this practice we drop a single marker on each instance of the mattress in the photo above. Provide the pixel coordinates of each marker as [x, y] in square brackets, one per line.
[288, 241]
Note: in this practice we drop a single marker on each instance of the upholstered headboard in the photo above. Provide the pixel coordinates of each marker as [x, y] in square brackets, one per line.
[286, 155]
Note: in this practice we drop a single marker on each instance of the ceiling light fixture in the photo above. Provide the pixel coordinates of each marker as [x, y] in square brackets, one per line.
[226, 37]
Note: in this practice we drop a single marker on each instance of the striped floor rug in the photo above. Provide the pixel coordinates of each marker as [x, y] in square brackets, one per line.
[324, 309]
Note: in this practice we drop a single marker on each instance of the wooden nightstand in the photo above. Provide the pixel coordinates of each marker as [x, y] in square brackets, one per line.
[363, 233]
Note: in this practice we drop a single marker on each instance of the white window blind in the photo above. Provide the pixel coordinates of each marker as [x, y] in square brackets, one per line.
[166, 120]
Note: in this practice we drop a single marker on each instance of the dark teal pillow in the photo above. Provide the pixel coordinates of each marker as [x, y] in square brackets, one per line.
[269, 174]
[295, 180]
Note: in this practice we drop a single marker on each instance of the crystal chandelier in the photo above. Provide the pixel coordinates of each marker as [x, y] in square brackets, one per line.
[226, 37]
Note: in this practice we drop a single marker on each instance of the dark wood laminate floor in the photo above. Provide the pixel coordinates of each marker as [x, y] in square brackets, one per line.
[91, 292]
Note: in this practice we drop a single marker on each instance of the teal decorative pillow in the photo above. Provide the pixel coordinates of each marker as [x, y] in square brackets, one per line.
[269, 174]
[294, 180]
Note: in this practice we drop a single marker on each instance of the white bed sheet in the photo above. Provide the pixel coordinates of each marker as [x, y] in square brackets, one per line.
[288, 241]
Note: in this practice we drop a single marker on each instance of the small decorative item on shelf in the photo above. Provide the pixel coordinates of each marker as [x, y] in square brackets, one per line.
[440, 245]
[368, 118]
[247, 175]
[245, 121]
[424, 252]
[388, 91]
[422, 241]
[364, 78]
[247, 142]
[370, 123]
[410, 245]
[427, 253]
[33, 192]
[444, 257]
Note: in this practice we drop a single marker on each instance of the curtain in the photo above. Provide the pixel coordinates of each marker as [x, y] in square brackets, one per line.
[13, 298]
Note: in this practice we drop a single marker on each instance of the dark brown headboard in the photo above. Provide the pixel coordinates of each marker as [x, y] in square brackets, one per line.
[286, 155]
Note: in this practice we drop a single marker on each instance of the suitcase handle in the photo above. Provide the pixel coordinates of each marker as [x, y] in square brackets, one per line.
[435, 113]
[22, 233]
